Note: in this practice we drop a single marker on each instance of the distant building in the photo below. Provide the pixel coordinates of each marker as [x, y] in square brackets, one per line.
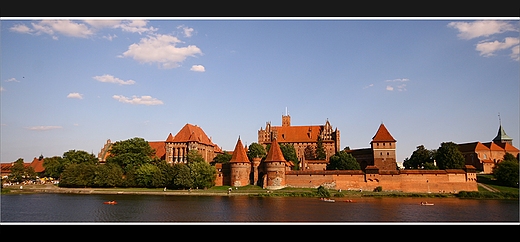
[36, 164]
[304, 138]
[380, 155]
[175, 148]
[484, 156]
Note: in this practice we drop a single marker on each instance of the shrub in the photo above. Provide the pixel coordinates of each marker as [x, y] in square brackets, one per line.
[378, 189]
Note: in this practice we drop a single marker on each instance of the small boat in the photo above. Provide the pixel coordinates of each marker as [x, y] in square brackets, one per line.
[349, 201]
[110, 202]
[426, 204]
[327, 200]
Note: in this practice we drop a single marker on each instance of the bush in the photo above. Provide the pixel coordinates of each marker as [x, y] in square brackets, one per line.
[378, 189]
[323, 192]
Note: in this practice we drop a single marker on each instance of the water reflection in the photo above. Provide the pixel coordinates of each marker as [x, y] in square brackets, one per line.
[143, 209]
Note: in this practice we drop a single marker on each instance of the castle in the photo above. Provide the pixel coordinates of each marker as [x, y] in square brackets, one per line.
[378, 162]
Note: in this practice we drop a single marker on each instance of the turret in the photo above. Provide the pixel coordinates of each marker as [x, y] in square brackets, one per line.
[275, 166]
[383, 147]
[240, 166]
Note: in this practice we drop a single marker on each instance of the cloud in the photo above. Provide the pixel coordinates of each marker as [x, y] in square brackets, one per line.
[369, 86]
[75, 95]
[43, 128]
[136, 26]
[2, 89]
[21, 28]
[399, 85]
[112, 79]
[52, 27]
[198, 68]
[488, 28]
[12, 80]
[161, 49]
[144, 100]
[188, 32]
[488, 48]
[483, 28]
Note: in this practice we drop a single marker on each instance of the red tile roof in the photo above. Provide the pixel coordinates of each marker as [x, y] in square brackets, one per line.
[275, 153]
[239, 155]
[37, 165]
[493, 147]
[191, 133]
[473, 146]
[507, 147]
[382, 135]
[159, 147]
[298, 134]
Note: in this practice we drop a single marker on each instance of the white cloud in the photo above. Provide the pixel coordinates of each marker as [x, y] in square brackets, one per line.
[103, 23]
[188, 32]
[12, 80]
[398, 80]
[389, 88]
[144, 100]
[136, 26]
[2, 89]
[64, 27]
[43, 128]
[112, 79]
[21, 28]
[161, 49]
[515, 53]
[198, 68]
[487, 49]
[75, 95]
[369, 86]
[483, 28]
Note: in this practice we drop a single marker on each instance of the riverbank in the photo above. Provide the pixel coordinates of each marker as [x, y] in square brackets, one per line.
[249, 191]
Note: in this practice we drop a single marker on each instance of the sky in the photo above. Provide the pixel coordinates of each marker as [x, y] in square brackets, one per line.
[73, 83]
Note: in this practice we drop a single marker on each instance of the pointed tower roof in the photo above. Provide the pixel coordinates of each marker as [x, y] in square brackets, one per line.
[170, 138]
[382, 135]
[275, 153]
[239, 154]
[502, 136]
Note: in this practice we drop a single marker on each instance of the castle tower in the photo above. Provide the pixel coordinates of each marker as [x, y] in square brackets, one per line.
[286, 120]
[383, 148]
[502, 137]
[275, 167]
[240, 166]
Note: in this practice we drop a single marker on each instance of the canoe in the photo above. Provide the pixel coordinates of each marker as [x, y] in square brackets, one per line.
[426, 204]
[110, 202]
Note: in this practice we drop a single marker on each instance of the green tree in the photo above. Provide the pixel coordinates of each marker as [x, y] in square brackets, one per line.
[130, 154]
[343, 161]
[448, 156]
[194, 156]
[79, 156]
[421, 159]
[202, 174]
[108, 175]
[323, 192]
[256, 150]
[289, 153]
[20, 173]
[506, 171]
[222, 158]
[78, 175]
[182, 177]
[320, 150]
[54, 166]
[148, 175]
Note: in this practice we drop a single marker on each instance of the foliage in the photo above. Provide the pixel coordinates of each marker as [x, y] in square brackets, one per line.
[108, 175]
[78, 157]
[256, 150]
[54, 166]
[320, 150]
[148, 175]
[421, 159]
[131, 153]
[78, 175]
[202, 174]
[289, 153]
[222, 158]
[182, 177]
[343, 161]
[506, 171]
[194, 156]
[323, 192]
[20, 173]
[378, 189]
[448, 156]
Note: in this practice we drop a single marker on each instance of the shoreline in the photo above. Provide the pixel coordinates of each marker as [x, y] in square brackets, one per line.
[294, 192]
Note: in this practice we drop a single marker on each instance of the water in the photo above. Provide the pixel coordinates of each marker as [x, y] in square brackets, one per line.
[72, 208]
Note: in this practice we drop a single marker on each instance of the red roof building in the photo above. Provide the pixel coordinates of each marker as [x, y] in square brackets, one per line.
[381, 154]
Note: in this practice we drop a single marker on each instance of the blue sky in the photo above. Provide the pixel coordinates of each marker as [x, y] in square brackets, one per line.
[71, 83]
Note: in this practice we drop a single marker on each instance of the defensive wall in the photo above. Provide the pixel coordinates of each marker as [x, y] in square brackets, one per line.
[435, 181]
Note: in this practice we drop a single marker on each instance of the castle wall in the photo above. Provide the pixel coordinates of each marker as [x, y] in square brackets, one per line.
[415, 181]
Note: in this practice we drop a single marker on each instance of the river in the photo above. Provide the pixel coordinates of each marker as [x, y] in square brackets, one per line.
[78, 208]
